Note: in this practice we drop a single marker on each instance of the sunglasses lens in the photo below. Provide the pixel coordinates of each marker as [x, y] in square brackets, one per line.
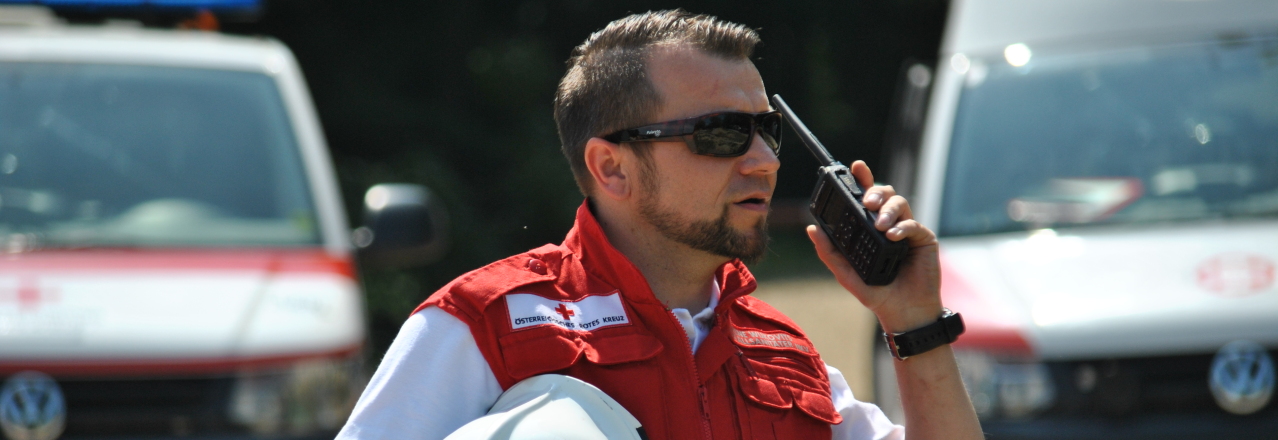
[723, 135]
[770, 129]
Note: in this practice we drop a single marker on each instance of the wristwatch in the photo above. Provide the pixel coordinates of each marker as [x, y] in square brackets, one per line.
[945, 330]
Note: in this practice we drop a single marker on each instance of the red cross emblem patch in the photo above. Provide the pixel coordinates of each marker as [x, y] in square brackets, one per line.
[592, 312]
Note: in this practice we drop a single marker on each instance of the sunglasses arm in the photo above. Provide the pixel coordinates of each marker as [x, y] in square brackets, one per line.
[653, 132]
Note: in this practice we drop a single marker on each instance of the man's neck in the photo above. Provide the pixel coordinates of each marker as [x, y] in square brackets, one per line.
[678, 275]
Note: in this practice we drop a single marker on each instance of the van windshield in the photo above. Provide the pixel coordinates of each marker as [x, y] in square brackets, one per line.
[145, 156]
[1175, 133]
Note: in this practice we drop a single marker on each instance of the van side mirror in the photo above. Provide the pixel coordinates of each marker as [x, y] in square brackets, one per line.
[404, 225]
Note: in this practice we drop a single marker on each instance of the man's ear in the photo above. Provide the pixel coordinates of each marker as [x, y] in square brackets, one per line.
[604, 160]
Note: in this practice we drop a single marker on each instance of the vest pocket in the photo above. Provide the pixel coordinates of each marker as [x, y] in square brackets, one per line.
[785, 398]
[532, 352]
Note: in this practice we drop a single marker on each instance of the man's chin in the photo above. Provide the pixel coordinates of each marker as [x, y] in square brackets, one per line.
[752, 236]
[754, 243]
[733, 234]
[745, 221]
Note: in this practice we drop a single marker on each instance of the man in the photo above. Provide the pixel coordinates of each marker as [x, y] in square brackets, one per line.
[668, 130]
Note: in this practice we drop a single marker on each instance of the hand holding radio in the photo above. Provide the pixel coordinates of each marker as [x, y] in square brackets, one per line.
[913, 298]
[849, 216]
[839, 209]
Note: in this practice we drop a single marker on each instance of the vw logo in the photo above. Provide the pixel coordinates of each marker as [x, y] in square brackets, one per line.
[31, 407]
[1242, 377]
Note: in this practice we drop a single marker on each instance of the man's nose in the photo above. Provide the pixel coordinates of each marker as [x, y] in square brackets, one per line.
[759, 159]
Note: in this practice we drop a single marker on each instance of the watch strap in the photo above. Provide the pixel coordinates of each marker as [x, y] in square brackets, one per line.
[945, 330]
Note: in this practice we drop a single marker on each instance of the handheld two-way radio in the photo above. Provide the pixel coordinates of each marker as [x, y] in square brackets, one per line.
[836, 204]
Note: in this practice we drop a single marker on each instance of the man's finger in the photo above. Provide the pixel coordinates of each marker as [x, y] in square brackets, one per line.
[895, 210]
[862, 173]
[876, 195]
[825, 248]
[835, 261]
[912, 232]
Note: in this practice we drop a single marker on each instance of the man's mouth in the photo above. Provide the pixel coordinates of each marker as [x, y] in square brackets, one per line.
[753, 203]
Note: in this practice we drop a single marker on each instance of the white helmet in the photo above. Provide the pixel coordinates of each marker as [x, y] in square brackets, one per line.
[553, 406]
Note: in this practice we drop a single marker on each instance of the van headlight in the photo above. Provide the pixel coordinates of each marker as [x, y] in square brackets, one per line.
[308, 397]
[1005, 388]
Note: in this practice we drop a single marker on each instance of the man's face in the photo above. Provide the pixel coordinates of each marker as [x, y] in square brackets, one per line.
[714, 204]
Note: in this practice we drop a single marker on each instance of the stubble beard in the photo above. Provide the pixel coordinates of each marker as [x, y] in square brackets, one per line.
[716, 236]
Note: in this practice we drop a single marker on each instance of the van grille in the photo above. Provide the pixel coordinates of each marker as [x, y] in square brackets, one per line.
[147, 407]
[1136, 399]
[1137, 386]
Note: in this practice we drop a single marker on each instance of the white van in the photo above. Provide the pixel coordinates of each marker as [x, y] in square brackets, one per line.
[174, 255]
[1103, 176]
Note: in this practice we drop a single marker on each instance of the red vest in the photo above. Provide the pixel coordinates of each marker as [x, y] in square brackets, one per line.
[583, 310]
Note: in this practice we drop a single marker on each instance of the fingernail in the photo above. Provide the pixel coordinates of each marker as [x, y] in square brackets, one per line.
[882, 220]
[873, 198]
[894, 231]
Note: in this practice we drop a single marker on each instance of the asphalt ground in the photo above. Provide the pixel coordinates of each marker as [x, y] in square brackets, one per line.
[840, 327]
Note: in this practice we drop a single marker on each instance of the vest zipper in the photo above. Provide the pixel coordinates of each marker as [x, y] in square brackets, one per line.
[705, 409]
[696, 378]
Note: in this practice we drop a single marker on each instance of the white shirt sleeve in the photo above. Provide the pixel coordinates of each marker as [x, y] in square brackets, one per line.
[861, 420]
[432, 381]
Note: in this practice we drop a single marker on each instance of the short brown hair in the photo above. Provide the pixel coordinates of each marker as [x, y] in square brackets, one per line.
[607, 87]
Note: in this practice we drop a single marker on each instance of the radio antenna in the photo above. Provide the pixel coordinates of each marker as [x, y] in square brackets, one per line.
[805, 135]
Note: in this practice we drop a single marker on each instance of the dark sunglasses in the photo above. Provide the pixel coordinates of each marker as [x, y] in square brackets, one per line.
[726, 134]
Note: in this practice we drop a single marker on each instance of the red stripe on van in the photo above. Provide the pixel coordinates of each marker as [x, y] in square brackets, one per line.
[987, 329]
[170, 367]
[310, 260]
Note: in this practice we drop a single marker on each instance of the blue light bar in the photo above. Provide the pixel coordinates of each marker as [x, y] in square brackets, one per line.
[143, 4]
